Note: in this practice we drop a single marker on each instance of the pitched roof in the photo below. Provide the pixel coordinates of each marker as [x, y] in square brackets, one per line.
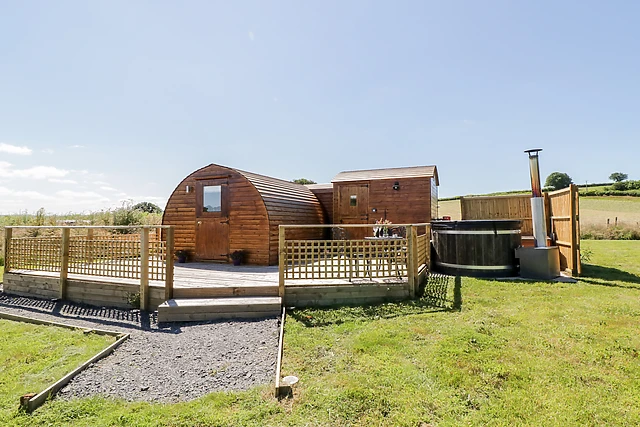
[319, 186]
[390, 173]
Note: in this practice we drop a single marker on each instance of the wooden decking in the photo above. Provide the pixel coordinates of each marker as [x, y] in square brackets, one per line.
[207, 275]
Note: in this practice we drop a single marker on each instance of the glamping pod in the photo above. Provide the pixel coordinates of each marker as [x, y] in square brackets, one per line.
[218, 210]
[401, 195]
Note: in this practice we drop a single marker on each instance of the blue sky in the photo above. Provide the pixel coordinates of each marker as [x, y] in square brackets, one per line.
[106, 101]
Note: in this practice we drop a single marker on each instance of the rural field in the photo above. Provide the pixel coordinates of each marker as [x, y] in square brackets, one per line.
[469, 352]
[593, 210]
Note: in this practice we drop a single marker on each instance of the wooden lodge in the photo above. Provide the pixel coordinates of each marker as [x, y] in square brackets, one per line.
[401, 195]
[217, 210]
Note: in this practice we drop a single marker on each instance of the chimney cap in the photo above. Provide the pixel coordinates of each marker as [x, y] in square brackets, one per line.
[533, 150]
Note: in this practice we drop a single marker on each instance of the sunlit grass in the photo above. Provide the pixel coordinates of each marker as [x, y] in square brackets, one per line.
[482, 353]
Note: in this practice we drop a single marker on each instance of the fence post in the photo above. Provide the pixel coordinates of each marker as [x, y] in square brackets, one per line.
[282, 259]
[168, 284]
[411, 259]
[90, 246]
[427, 250]
[7, 243]
[144, 269]
[64, 263]
[575, 254]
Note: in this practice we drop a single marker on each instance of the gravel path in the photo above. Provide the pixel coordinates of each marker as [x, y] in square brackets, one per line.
[180, 362]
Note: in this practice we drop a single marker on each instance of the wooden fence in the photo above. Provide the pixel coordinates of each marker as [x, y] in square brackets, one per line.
[110, 252]
[562, 217]
[402, 258]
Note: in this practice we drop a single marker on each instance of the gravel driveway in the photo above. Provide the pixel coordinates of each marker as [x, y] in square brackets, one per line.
[180, 362]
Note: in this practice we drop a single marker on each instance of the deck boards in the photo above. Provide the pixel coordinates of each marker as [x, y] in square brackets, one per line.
[207, 275]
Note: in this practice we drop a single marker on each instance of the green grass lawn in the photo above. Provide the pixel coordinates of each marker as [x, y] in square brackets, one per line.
[472, 352]
[32, 357]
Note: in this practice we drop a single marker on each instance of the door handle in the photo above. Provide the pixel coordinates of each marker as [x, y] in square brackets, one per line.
[224, 222]
[199, 222]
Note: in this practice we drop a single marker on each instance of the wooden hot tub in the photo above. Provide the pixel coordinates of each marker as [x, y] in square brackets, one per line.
[484, 248]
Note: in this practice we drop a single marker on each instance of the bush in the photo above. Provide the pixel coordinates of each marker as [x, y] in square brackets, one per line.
[1, 261]
[601, 232]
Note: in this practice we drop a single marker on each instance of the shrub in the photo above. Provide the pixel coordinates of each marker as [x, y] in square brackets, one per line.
[1, 261]
[601, 232]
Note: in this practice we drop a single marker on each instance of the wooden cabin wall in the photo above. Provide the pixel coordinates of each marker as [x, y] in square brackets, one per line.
[325, 197]
[287, 203]
[410, 204]
[248, 220]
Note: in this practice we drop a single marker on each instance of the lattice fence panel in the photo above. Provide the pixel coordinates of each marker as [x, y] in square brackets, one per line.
[35, 253]
[105, 256]
[345, 259]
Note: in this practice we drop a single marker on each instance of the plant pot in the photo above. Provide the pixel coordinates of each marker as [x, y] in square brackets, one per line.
[182, 259]
[236, 261]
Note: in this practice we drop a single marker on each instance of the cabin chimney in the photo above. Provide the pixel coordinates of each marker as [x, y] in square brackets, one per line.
[537, 201]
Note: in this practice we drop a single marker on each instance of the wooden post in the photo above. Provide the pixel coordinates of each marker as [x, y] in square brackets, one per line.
[144, 269]
[64, 263]
[282, 261]
[411, 259]
[168, 278]
[90, 246]
[7, 244]
[575, 254]
[427, 254]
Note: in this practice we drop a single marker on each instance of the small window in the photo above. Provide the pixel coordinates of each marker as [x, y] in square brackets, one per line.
[353, 200]
[212, 198]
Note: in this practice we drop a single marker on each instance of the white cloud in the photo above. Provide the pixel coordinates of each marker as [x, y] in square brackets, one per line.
[35, 172]
[62, 181]
[107, 188]
[33, 195]
[14, 149]
[69, 194]
[251, 36]
[47, 151]
[100, 183]
[76, 146]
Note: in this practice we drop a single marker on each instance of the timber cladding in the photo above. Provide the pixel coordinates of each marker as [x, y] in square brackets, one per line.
[411, 202]
[255, 206]
[91, 292]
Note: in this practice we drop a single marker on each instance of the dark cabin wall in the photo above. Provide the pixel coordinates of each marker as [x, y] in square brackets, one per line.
[410, 204]
[248, 219]
[287, 203]
[325, 197]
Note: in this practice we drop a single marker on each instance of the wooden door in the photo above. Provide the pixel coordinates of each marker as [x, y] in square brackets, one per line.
[353, 207]
[212, 220]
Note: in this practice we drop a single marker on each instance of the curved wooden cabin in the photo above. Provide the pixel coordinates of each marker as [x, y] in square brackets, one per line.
[217, 210]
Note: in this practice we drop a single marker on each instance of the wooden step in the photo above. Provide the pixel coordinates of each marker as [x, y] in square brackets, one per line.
[215, 291]
[197, 309]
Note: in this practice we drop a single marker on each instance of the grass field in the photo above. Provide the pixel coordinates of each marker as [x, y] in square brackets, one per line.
[32, 357]
[593, 210]
[483, 353]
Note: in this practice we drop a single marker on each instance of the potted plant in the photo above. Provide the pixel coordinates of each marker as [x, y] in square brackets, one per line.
[182, 255]
[237, 257]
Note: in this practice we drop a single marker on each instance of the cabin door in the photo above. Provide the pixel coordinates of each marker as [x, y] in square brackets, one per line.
[212, 220]
[353, 204]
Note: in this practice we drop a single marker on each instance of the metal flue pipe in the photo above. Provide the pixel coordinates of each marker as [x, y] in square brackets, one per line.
[537, 201]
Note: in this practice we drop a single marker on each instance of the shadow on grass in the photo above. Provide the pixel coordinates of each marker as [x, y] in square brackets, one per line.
[607, 276]
[439, 294]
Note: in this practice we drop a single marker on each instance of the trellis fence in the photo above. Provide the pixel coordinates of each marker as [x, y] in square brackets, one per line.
[402, 257]
[126, 252]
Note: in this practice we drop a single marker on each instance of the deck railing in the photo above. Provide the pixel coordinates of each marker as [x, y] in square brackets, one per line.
[403, 257]
[129, 252]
